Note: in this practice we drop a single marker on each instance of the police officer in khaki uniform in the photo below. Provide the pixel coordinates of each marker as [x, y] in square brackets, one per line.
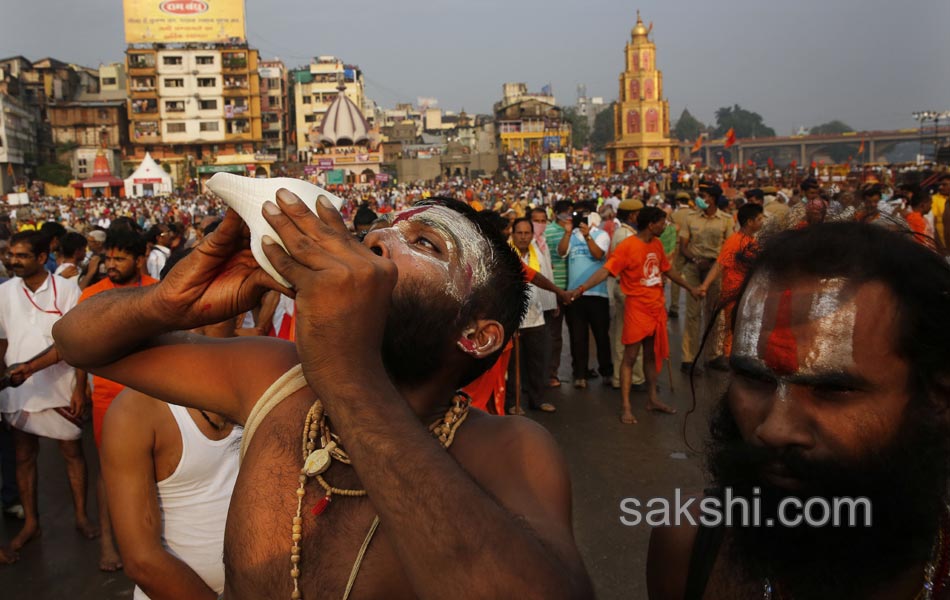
[679, 217]
[699, 244]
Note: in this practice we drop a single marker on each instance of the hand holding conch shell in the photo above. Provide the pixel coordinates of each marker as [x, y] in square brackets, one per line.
[247, 195]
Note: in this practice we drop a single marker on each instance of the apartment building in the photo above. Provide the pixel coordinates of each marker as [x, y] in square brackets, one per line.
[18, 144]
[196, 107]
[275, 107]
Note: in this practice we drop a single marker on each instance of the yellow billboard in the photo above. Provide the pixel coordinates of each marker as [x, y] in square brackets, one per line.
[184, 21]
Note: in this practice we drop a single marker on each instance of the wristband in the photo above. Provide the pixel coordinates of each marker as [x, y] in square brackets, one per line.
[582, 288]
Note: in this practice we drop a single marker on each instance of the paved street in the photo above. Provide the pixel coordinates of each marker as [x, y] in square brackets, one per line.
[608, 461]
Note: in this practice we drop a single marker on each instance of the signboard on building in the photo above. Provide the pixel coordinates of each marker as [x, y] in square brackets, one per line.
[552, 142]
[179, 21]
[221, 169]
[269, 73]
[325, 164]
[337, 176]
[310, 169]
[558, 162]
[382, 177]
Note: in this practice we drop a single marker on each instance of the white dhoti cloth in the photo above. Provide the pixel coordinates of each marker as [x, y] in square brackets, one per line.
[52, 423]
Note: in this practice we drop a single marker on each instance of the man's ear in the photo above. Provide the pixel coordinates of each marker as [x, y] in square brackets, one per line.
[481, 338]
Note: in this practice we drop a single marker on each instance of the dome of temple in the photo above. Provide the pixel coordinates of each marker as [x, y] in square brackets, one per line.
[344, 123]
[640, 29]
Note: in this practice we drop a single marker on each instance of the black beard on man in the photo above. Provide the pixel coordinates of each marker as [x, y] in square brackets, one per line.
[419, 333]
[905, 481]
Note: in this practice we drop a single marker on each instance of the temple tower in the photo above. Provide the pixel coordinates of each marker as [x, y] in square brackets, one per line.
[641, 114]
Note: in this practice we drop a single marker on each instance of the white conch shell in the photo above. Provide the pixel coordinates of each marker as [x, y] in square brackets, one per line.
[247, 195]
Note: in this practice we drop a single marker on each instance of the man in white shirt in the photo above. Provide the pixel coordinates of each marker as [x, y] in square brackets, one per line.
[50, 396]
[160, 237]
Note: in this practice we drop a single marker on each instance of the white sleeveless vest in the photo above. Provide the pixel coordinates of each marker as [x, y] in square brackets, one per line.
[194, 500]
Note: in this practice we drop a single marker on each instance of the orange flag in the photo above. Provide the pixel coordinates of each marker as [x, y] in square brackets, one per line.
[698, 145]
[861, 148]
[730, 138]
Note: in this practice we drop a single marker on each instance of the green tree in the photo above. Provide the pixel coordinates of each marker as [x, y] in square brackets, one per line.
[688, 127]
[580, 131]
[55, 173]
[745, 123]
[603, 132]
[831, 128]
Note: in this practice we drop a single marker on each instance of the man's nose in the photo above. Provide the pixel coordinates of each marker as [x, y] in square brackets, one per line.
[785, 423]
[380, 241]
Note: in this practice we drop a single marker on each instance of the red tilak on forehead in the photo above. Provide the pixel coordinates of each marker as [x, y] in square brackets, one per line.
[781, 349]
[410, 213]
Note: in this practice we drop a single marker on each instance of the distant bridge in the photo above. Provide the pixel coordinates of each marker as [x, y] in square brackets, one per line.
[804, 148]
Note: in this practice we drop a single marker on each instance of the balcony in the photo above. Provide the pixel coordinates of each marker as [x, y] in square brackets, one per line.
[141, 108]
[236, 111]
[145, 131]
[239, 129]
[233, 62]
[141, 64]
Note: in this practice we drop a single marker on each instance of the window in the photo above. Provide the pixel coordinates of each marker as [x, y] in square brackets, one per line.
[206, 82]
[652, 121]
[310, 118]
[108, 81]
[174, 83]
[633, 122]
[171, 60]
[306, 99]
[103, 114]
[175, 106]
[175, 128]
[208, 126]
[209, 104]
[204, 60]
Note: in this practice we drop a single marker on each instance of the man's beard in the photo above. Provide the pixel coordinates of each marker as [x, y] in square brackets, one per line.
[905, 482]
[419, 335]
[118, 278]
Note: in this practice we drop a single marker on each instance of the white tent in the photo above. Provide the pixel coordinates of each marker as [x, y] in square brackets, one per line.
[148, 180]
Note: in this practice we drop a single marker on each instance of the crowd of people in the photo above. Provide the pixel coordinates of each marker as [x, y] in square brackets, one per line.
[826, 300]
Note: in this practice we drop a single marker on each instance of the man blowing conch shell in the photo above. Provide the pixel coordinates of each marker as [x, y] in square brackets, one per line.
[387, 331]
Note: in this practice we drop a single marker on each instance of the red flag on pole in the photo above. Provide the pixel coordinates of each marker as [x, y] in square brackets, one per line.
[722, 160]
[730, 138]
[861, 148]
[771, 164]
[813, 164]
[794, 163]
[698, 145]
[751, 163]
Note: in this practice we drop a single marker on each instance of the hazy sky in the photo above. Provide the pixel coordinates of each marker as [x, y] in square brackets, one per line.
[869, 63]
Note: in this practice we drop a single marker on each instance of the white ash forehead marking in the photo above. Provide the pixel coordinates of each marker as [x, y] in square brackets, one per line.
[461, 236]
[834, 314]
[751, 314]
